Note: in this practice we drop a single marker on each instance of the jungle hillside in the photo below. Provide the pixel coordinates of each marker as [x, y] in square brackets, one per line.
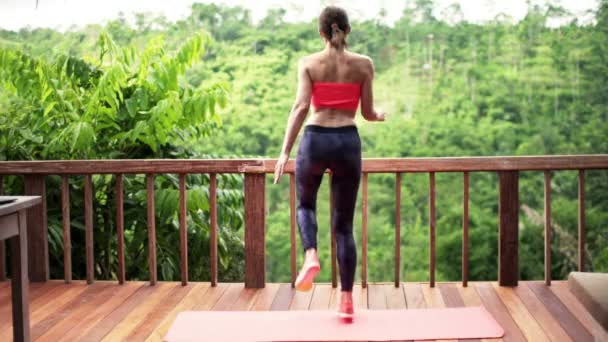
[217, 85]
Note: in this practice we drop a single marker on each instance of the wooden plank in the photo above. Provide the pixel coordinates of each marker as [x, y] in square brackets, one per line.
[120, 229]
[129, 323]
[88, 223]
[229, 297]
[213, 227]
[265, 297]
[433, 299]
[471, 298]
[508, 210]
[381, 165]
[67, 241]
[195, 295]
[364, 232]
[432, 223]
[562, 291]
[414, 298]
[151, 229]
[465, 230]
[101, 329]
[395, 297]
[37, 231]
[292, 227]
[562, 313]
[520, 314]
[360, 297]
[245, 300]
[87, 314]
[214, 293]
[496, 307]
[255, 249]
[156, 316]
[334, 298]
[321, 297]
[334, 255]
[183, 229]
[581, 220]
[452, 299]
[547, 214]
[80, 327]
[549, 324]
[90, 293]
[20, 282]
[41, 294]
[451, 296]
[283, 298]
[36, 290]
[376, 298]
[397, 229]
[301, 300]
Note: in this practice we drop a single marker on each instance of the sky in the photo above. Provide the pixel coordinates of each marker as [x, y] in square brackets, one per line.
[62, 14]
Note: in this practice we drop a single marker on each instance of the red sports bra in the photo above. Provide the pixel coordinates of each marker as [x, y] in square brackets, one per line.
[336, 95]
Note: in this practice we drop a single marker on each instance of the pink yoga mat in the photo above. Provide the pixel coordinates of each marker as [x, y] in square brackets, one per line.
[368, 325]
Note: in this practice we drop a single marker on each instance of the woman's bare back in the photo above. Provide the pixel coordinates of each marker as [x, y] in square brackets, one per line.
[339, 67]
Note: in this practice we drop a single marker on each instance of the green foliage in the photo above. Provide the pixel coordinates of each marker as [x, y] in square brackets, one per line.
[498, 88]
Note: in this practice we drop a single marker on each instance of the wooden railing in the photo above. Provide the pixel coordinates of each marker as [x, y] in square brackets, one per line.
[255, 171]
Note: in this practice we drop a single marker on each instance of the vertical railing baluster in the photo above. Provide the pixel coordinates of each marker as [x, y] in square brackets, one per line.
[67, 241]
[88, 223]
[183, 229]
[548, 227]
[151, 229]
[2, 245]
[508, 228]
[37, 230]
[432, 228]
[397, 228]
[292, 226]
[120, 228]
[364, 234]
[255, 228]
[334, 254]
[581, 220]
[213, 236]
[465, 231]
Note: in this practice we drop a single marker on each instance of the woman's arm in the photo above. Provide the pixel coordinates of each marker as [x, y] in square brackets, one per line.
[296, 117]
[367, 95]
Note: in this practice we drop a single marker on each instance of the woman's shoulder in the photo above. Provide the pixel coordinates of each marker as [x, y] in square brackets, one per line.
[361, 61]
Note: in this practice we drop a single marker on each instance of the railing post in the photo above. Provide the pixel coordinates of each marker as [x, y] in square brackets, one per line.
[37, 236]
[2, 245]
[255, 249]
[508, 240]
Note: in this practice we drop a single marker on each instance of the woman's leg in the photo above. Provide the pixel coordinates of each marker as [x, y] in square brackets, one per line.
[309, 174]
[344, 187]
[346, 174]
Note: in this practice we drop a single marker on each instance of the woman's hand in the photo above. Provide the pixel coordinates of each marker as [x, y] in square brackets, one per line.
[280, 166]
[380, 116]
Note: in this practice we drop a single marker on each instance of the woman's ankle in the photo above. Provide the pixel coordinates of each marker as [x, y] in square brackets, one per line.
[311, 255]
[346, 296]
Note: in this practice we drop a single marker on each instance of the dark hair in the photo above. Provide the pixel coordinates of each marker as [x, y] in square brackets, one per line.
[333, 22]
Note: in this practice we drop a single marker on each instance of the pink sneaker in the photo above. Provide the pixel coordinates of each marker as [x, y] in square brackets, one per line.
[346, 311]
[307, 276]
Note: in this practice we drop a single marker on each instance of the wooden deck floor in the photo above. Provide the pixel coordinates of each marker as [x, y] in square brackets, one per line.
[136, 311]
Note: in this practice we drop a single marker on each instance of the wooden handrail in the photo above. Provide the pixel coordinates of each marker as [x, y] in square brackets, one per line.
[370, 165]
[507, 167]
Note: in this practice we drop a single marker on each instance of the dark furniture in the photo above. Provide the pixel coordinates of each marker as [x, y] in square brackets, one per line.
[14, 229]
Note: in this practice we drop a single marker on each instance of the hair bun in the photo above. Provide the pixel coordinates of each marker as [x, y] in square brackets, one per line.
[335, 27]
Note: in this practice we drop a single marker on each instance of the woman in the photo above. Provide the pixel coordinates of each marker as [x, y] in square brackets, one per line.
[335, 80]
